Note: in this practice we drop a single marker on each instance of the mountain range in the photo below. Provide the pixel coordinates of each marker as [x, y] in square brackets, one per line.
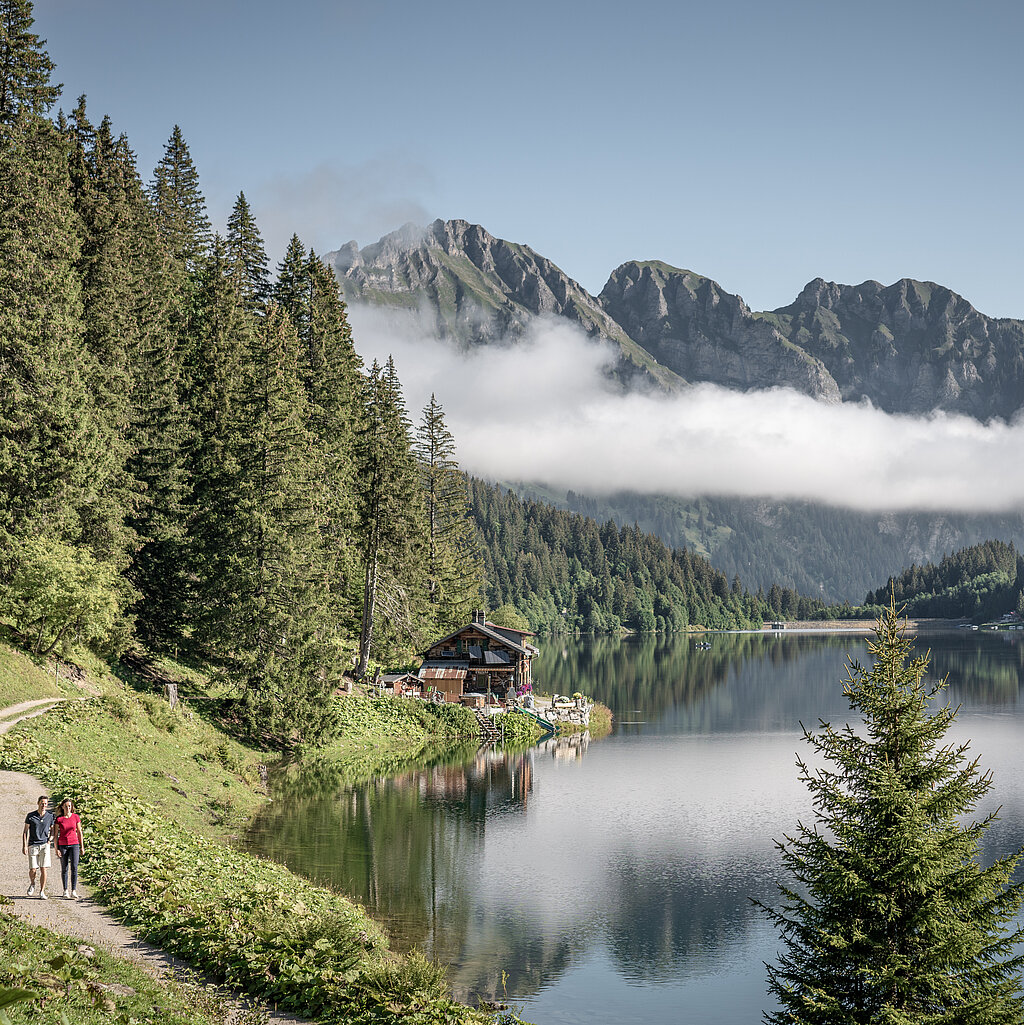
[910, 347]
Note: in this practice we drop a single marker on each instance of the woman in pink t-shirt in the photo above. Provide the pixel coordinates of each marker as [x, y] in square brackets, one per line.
[70, 845]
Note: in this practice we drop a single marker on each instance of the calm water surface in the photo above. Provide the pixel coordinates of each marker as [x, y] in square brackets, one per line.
[612, 880]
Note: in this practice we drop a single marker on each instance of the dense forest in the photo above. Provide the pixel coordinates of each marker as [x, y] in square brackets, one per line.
[191, 452]
[978, 583]
[565, 572]
[831, 553]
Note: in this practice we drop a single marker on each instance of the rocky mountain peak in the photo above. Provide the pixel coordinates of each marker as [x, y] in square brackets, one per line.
[912, 346]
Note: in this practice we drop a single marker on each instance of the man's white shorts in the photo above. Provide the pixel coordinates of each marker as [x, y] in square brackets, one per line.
[39, 855]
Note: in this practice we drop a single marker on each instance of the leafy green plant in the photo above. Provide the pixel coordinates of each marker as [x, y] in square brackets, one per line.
[59, 591]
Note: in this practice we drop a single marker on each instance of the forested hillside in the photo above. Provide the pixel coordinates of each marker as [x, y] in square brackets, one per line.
[830, 553]
[191, 452]
[566, 572]
[978, 583]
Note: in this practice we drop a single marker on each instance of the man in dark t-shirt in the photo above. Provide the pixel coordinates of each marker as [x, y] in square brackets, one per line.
[35, 842]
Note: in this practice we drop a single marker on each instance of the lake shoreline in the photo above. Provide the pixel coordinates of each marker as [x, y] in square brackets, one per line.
[858, 626]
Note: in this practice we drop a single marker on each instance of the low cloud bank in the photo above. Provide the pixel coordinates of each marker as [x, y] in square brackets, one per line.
[543, 410]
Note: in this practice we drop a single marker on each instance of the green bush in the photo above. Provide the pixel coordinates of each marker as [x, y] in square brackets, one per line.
[59, 593]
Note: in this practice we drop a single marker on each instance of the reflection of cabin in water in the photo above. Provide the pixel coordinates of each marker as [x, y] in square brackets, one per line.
[479, 658]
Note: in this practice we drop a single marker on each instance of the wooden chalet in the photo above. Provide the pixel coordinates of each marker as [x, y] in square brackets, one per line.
[480, 658]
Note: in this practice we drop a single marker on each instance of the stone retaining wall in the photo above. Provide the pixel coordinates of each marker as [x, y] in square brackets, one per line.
[567, 715]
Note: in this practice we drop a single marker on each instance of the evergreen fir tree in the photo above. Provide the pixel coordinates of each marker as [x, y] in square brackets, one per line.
[247, 257]
[180, 205]
[291, 290]
[51, 441]
[308, 292]
[892, 918]
[160, 427]
[222, 376]
[291, 658]
[25, 67]
[330, 369]
[113, 280]
[390, 512]
[453, 569]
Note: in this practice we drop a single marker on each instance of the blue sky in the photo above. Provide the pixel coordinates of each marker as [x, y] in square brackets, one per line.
[760, 144]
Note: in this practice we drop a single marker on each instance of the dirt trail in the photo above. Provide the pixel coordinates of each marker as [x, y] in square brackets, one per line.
[26, 710]
[83, 919]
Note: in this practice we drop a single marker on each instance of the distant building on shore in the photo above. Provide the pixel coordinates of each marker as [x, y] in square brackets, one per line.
[480, 657]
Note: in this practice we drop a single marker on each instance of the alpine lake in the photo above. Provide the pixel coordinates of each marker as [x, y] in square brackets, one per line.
[612, 880]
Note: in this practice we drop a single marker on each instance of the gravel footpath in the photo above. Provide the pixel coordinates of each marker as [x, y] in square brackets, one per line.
[83, 918]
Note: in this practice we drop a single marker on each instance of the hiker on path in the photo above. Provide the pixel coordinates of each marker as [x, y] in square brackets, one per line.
[70, 845]
[35, 842]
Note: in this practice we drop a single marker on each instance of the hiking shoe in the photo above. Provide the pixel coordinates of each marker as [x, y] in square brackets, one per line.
[74, 893]
[42, 895]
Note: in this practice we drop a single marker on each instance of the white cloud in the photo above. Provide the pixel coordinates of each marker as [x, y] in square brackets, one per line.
[331, 205]
[542, 410]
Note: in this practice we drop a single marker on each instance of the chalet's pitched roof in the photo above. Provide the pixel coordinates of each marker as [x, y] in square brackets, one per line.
[515, 636]
[493, 632]
[392, 677]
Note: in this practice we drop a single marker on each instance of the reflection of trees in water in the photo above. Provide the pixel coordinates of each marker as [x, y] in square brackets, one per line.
[657, 673]
[531, 957]
[767, 674]
[407, 847]
[985, 669]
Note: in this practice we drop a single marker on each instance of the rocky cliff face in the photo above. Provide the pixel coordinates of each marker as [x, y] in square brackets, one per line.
[912, 347]
[693, 326]
[479, 289]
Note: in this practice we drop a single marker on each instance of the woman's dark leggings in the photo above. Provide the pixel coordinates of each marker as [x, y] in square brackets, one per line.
[69, 859]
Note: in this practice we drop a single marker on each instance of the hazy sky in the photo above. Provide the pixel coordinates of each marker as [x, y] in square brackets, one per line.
[761, 144]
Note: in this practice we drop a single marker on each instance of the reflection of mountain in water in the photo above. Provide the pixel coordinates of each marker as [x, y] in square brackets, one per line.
[668, 916]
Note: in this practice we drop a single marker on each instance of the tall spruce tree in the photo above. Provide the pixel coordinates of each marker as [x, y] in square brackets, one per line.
[113, 281]
[291, 661]
[892, 918]
[25, 67]
[222, 375]
[453, 569]
[308, 291]
[247, 256]
[51, 438]
[180, 205]
[390, 512]
[160, 426]
[291, 289]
